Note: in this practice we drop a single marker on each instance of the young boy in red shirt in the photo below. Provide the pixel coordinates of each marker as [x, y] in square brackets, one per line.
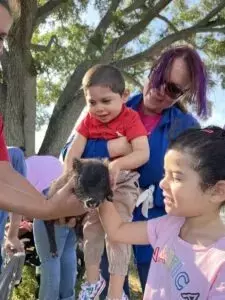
[108, 118]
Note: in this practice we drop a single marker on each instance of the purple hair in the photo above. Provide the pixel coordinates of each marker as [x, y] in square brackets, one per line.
[196, 67]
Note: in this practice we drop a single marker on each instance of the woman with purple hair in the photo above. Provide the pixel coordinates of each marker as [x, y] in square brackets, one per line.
[177, 78]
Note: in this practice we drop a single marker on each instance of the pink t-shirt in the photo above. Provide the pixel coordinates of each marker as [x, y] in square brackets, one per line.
[150, 122]
[180, 270]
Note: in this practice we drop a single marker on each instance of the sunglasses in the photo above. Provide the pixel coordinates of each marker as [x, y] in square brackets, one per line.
[173, 90]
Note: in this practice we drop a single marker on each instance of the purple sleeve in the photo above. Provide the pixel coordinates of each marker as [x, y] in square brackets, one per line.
[154, 228]
[160, 227]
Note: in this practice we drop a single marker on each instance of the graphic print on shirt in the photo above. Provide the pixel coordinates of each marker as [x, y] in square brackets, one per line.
[190, 296]
[175, 267]
[173, 264]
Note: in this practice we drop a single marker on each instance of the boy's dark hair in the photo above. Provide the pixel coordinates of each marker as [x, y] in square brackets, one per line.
[106, 76]
[207, 149]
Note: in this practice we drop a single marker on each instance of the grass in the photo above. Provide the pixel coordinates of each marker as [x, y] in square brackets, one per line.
[134, 283]
[26, 290]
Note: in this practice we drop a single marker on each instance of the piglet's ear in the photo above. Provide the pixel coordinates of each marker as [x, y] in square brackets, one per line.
[77, 165]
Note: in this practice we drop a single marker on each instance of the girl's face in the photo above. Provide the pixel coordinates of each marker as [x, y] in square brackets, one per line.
[182, 192]
[156, 100]
[5, 24]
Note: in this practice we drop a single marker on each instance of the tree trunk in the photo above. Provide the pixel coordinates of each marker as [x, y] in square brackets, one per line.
[20, 106]
[61, 125]
[65, 113]
[3, 95]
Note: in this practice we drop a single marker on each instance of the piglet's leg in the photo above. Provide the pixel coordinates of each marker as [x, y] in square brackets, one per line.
[49, 225]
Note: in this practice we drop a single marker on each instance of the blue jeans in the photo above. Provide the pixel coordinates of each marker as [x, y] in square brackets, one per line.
[3, 220]
[105, 273]
[1, 260]
[58, 274]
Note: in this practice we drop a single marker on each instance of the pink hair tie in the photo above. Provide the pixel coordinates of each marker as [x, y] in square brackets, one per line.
[208, 130]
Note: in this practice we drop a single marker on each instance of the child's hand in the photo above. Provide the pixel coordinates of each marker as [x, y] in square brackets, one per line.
[114, 170]
[13, 245]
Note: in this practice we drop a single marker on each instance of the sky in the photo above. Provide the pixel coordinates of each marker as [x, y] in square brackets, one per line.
[215, 94]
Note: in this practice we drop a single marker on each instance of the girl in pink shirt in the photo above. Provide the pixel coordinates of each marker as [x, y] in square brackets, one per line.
[189, 243]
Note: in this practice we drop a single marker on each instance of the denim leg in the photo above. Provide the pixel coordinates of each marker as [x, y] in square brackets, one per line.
[68, 268]
[105, 273]
[50, 266]
[143, 274]
[0, 257]
[3, 220]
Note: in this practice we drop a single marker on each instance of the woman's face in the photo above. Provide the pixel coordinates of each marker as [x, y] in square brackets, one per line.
[5, 24]
[156, 100]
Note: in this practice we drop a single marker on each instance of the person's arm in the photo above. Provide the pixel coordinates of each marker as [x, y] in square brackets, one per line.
[12, 242]
[119, 147]
[138, 157]
[14, 225]
[136, 134]
[132, 161]
[119, 231]
[19, 196]
[76, 150]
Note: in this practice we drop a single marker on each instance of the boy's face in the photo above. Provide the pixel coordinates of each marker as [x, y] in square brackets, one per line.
[102, 103]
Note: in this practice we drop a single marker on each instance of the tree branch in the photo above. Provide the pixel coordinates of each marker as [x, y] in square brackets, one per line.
[216, 22]
[212, 29]
[132, 79]
[211, 14]
[47, 9]
[135, 30]
[158, 46]
[220, 68]
[170, 24]
[43, 48]
[102, 26]
[135, 5]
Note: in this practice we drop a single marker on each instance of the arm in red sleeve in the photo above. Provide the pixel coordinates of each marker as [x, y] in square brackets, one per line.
[134, 126]
[83, 126]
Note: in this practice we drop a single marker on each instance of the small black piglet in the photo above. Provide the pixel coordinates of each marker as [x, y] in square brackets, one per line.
[91, 186]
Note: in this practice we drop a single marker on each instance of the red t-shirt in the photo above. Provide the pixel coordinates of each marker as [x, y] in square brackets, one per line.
[128, 124]
[3, 149]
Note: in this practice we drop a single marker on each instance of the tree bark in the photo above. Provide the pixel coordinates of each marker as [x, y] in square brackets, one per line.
[65, 113]
[19, 111]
